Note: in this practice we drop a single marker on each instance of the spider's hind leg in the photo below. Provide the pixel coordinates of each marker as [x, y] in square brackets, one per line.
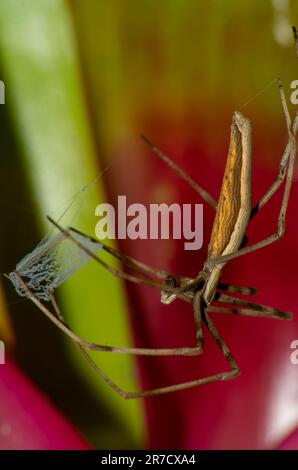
[237, 289]
[244, 307]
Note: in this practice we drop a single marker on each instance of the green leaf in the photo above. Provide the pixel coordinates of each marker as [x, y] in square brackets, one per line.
[45, 96]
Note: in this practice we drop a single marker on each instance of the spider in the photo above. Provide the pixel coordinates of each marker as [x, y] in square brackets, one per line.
[228, 241]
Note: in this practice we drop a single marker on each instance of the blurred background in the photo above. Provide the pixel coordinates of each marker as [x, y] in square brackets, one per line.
[82, 81]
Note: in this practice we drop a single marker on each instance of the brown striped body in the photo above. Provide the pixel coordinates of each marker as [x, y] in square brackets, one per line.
[235, 203]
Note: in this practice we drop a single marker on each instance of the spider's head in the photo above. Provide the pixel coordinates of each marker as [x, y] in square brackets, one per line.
[171, 281]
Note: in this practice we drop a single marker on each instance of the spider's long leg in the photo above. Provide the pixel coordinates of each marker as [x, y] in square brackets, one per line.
[197, 307]
[146, 280]
[282, 213]
[143, 268]
[85, 354]
[283, 162]
[188, 296]
[262, 309]
[195, 383]
[134, 264]
[60, 323]
[249, 312]
[237, 289]
[172, 388]
[202, 192]
[101, 373]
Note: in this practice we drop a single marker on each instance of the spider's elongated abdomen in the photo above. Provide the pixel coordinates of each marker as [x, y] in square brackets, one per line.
[235, 200]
